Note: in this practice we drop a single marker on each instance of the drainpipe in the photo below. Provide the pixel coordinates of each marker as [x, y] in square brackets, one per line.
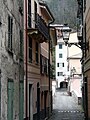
[49, 51]
[49, 64]
[26, 81]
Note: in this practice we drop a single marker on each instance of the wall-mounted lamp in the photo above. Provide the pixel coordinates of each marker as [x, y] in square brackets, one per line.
[66, 33]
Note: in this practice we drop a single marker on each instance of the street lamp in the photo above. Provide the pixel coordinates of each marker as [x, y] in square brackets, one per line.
[66, 33]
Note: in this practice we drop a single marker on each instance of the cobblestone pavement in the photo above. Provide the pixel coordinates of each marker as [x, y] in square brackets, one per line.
[65, 107]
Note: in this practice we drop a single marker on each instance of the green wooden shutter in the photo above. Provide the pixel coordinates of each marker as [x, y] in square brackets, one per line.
[10, 89]
[21, 100]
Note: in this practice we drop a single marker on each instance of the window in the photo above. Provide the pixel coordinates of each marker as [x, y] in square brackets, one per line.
[29, 13]
[62, 64]
[59, 73]
[35, 4]
[84, 5]
[36, 52]
[57, 64]
[30, 49]
[21, 43]
[42, 64]
[60, 46]
[60, 55]
[10, 31]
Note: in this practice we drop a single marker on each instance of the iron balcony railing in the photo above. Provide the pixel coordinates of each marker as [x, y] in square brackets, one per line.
[42, 27]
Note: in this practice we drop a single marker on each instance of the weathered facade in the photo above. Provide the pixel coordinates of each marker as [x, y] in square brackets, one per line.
[84, 38]
[37, 79]
[11, 60]
[86, 56]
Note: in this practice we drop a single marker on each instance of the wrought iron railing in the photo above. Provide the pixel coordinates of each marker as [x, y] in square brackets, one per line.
[42, 27]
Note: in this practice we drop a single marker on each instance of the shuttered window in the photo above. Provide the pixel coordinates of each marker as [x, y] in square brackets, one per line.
[10, 31]
[21, 43]
[30, 49]
[29, 13]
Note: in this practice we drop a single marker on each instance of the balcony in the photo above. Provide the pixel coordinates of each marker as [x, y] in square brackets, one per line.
[42, 27]
[41, 30]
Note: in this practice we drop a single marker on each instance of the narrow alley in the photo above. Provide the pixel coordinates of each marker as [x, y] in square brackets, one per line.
[65, 107]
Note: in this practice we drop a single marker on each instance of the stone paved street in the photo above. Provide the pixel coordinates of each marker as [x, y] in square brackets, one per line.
[65, 107]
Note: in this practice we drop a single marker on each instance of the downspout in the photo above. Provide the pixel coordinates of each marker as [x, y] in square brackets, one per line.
[26, 81]
[49, 66]
[49, 51]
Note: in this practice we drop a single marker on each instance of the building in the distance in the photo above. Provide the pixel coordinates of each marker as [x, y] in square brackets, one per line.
[61, 59]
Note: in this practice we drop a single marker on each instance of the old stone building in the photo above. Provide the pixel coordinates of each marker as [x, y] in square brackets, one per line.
[11, 60]
[86, 57]
[84, 38]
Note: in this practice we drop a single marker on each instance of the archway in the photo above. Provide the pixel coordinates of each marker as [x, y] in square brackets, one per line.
[63, 84]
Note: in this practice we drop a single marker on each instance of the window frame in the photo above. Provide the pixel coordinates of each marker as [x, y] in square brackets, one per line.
[60, 55]
[21, 44]
[60, 46]
[30, 49]
[10, 32]
[57, 64]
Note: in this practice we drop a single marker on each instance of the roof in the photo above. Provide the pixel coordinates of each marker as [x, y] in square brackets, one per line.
[44, 6]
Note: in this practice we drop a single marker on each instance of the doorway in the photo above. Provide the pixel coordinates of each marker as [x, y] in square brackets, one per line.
[63, 84]
[38, 102]
[30, 102]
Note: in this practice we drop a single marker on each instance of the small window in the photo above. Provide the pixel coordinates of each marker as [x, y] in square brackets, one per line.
[62, 64]
[60, 55]
[10, 31]
[57, 64]
[29, 13]
[21, 43]
[30, 49]
[84, 5]
[60, 46]
[59, 73]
